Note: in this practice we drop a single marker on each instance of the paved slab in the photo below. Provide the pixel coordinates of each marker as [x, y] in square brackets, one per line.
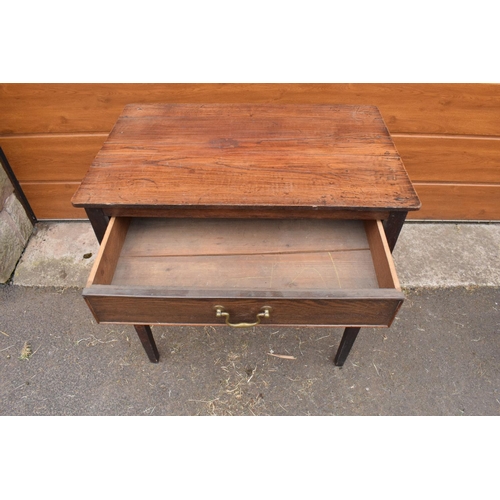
[58, 254]
[427, 255]
[448, 254]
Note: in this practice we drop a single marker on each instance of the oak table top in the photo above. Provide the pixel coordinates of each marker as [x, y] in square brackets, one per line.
[216, 158]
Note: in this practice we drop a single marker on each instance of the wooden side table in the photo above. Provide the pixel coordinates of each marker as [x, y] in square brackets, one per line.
[242, 214]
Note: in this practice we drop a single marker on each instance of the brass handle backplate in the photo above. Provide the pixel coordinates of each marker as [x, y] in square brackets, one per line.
[220, 313]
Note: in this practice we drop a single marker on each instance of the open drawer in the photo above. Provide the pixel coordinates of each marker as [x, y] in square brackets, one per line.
[243, 272]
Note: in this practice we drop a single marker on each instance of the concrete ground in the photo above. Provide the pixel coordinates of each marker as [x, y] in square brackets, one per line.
[440, 357]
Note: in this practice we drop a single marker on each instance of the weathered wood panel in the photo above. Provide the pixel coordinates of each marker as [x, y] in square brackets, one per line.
[256, 156]
[247, 255]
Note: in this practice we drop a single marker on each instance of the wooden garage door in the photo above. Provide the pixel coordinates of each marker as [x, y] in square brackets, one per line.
[447, 134]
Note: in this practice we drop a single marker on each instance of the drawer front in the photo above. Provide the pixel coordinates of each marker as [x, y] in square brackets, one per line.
[353, 308]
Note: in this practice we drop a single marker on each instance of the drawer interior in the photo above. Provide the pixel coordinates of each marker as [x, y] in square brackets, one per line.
[245, 254]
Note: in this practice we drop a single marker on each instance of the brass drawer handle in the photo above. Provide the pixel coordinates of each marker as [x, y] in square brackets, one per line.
[219, 312]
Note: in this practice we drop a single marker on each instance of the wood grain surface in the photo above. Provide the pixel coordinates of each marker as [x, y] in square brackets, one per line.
[241, 155]
[247, 254]
[109, 252]
[137, 305]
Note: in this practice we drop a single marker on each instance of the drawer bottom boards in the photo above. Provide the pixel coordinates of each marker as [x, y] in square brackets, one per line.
[244, 272]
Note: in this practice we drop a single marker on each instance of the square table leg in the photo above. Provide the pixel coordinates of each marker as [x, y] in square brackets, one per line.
[148, 342]
[346, 343]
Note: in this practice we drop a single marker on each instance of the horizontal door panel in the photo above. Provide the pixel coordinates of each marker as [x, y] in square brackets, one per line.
[440, 159]
[457, 202]
[52, 200]
[51, 158]
[416, 108]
